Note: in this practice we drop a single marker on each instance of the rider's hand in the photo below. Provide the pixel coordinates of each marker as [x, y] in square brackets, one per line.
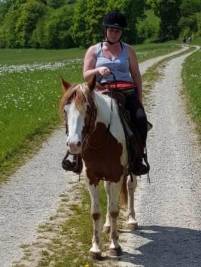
[103, 71]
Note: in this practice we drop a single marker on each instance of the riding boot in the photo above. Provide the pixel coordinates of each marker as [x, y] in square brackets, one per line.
[72, 163]
[140, 165]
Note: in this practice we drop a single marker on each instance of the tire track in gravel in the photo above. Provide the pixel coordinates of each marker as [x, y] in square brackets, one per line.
[169, 209]
[31, 195]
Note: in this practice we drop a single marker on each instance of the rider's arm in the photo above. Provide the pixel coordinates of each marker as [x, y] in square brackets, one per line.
[135, 72]
[89, 68]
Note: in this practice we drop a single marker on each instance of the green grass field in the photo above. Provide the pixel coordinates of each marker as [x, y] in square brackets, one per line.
[29, 99]
[30, 56]
[192, 84]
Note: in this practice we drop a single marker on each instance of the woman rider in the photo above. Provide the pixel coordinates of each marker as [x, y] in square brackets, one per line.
[113, 59]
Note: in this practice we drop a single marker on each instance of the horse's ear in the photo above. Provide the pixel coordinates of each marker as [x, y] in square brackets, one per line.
[92, 83]
[65, 85]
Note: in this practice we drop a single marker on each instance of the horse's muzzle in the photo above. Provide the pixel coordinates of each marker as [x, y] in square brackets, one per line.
[75, 147]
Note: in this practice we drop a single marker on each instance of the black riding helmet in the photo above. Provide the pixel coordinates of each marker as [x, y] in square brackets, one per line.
[114, 19]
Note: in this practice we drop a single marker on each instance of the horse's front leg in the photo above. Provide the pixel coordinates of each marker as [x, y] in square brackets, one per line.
[131, 186]
[95, 250]
[107, 219]
[113, 191]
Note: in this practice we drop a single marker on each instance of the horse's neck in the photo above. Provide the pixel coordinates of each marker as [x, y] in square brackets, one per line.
[105, 105]
[107, 113]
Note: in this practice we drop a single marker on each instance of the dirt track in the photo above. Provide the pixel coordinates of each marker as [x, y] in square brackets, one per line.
[168, 210]
[32, 193]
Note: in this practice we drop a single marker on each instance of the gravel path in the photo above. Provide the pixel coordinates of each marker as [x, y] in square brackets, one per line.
[31, 195]
[168, 210]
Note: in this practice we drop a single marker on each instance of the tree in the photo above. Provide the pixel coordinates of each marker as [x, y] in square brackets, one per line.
[87, 21]
[190, 17]
[148, 27]
[55, 3]
[29, 14]
[54, 30]
[78, 23]
[8, 35]
[134, 10]
[88, 16]
[169, 13]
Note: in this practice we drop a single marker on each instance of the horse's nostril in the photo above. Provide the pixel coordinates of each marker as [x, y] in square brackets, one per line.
[78, 143]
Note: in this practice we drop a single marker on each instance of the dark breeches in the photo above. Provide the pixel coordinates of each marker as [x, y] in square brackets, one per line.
[137, 114]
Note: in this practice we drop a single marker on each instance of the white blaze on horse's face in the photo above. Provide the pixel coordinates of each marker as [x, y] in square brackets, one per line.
[76, 122]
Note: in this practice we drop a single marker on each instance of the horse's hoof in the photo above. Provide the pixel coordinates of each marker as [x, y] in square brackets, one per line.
[95, 255]
[133, 226]
[115, 252]
[106, 229]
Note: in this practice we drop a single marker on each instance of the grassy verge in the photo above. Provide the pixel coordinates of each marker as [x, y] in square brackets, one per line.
[147, 51]
[75, 250]
[196, 41]
[192, 86]
[30, 56]
[66, 239]
[29, 111]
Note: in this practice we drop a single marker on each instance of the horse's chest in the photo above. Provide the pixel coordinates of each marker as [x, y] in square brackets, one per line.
[103, 156]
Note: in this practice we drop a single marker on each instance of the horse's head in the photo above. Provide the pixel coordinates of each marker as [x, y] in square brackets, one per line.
[76, 104]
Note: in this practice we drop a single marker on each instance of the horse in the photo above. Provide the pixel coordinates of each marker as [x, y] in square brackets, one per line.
[94, 129]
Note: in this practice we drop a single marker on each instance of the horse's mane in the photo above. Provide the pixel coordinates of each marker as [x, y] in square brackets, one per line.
[78, 93]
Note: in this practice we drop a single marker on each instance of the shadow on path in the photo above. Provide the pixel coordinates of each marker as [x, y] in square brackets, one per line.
[166, 246]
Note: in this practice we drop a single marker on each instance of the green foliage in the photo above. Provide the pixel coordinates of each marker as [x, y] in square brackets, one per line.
[7, 31]
[55, 3]
[68, 23]
[190, 21]
[88, 16]
[116, 5]
[192, 84]
[189, 7]
[169, 13]
[87, 21]
[29, 14]
[54, 30]
[198, 21]
[134, 10]
[149, 26]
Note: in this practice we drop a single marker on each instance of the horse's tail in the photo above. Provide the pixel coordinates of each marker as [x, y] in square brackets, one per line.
[124, 193]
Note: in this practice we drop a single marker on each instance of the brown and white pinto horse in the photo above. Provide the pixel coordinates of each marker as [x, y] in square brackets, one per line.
[95, 131]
